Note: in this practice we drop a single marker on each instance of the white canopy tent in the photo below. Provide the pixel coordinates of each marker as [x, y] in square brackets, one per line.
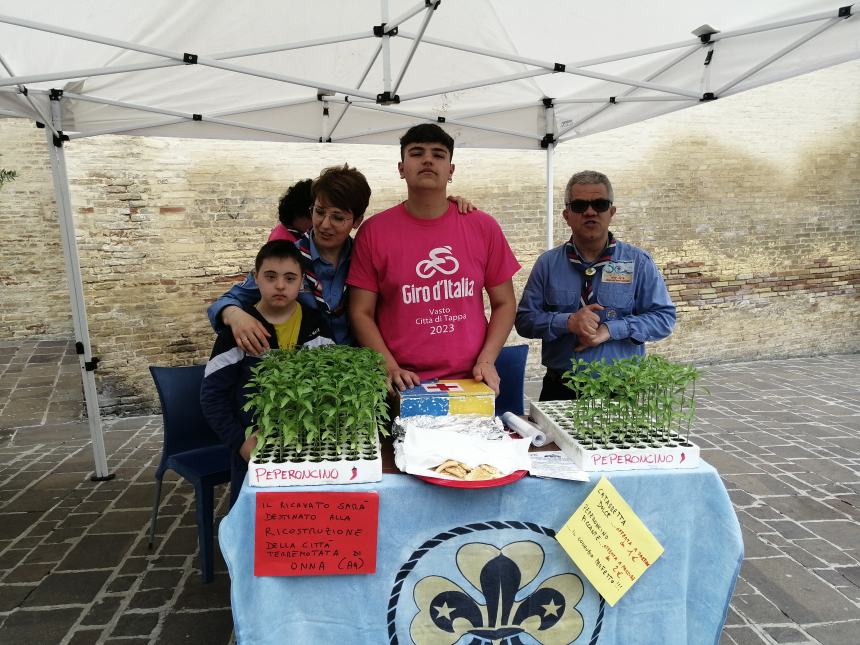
[496, 73]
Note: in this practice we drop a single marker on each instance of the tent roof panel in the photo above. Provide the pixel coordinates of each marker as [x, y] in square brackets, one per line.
[438, 64]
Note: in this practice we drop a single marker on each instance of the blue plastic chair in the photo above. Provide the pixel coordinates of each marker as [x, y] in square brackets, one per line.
[191, 449]
[511, 366]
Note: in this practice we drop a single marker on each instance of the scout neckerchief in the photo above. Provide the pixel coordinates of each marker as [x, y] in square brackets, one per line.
[304, 246]
[589, 269]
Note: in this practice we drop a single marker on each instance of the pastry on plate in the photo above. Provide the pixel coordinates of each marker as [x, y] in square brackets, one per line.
[484, 471]
[459, 470]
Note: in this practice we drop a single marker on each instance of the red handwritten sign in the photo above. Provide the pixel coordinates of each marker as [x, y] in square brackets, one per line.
[315, 534]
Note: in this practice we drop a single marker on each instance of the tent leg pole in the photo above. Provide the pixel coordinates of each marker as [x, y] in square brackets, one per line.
[79, 313]
[550, 171]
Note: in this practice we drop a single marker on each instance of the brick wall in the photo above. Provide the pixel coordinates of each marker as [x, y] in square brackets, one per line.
[750, 205]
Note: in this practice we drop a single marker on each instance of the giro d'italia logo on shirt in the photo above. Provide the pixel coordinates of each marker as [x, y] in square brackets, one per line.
[493, 583]
[440, 262]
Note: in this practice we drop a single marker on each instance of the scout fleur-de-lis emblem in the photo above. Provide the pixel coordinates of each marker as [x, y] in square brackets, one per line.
[495, 609]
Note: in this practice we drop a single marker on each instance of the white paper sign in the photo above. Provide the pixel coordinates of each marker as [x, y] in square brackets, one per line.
[556, 465]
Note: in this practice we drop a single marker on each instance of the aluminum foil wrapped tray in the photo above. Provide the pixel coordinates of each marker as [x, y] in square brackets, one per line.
[423, 442]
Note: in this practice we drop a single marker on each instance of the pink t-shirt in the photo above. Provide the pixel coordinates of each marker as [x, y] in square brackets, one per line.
[281, 232]
[429, 277]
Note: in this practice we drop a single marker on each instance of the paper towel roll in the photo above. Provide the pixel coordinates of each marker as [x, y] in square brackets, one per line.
[525, 429]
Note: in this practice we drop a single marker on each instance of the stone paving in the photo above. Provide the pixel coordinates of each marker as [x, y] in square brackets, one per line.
[75, 567]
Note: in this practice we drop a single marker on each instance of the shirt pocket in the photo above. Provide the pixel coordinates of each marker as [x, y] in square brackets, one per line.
[617, 296]
[562, 300]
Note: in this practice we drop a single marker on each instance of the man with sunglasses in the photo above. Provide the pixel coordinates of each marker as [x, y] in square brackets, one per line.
[594, 297]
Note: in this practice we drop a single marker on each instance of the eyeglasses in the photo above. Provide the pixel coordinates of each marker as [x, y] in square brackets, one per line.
[581, 205]
[318, 213]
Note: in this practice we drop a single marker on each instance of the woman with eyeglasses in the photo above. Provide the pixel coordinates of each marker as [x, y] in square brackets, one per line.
[339, 199]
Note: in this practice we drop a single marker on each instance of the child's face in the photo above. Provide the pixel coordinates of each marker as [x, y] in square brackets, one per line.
[279, 280]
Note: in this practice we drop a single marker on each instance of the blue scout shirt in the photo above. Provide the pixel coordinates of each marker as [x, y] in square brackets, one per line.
[637, 306]
[333, 279]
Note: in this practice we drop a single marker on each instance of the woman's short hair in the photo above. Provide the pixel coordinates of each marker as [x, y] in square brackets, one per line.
[343, 187]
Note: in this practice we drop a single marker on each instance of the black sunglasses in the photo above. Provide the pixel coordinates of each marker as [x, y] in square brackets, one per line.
[581, 205]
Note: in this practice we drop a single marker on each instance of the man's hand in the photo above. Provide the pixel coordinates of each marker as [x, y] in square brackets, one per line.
[463, 205]
[250, 334]
[401, 379]
[248, 447]
[486, 372]
[586, 341]
[584, 322]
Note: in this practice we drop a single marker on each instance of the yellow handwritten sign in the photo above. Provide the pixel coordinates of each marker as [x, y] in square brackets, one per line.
[608, 542]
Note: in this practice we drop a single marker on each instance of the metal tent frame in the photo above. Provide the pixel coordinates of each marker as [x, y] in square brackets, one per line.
[556, 101]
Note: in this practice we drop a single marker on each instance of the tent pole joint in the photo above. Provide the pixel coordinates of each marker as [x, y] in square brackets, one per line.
[387, 98]
[705, 32]
[379, 31]
[547, 102]
[708, 96]
[90, 365]
[55, 94]
[102, 478]
[432, 4]
[59, 138]
[558, 67]
[547, 141]
[197, 117]
[40, 125]
[844, 12]
[189, 59]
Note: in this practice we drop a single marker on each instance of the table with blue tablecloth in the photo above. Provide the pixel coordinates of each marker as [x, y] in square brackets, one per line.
[481, 566]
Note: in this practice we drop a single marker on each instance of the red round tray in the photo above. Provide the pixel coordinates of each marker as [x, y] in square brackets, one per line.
[478, 483]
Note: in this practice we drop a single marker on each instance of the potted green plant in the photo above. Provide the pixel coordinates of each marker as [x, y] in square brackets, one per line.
[317, 414]
[631, 413]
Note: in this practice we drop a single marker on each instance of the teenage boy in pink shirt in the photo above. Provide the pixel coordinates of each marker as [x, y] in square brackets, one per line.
[418, 274]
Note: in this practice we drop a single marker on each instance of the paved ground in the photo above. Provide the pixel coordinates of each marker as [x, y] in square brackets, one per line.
[75, 567]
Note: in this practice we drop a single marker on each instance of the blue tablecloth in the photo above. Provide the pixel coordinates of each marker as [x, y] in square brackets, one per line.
[489, 557]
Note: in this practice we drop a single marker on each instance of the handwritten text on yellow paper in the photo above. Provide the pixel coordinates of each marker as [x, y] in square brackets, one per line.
[608, 542]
